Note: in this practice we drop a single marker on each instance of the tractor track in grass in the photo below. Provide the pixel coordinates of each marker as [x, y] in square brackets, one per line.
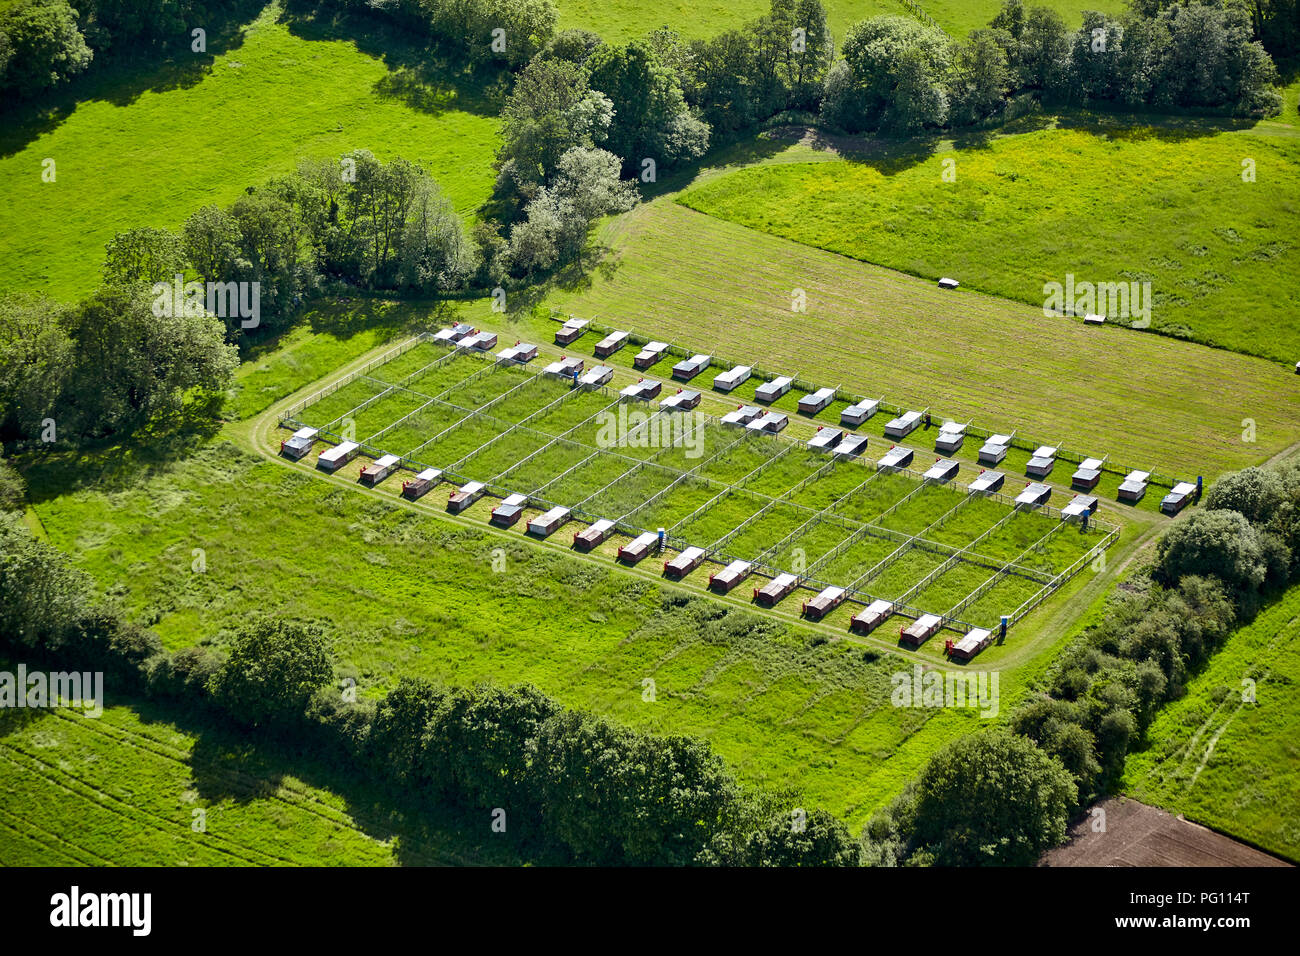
[136, 816]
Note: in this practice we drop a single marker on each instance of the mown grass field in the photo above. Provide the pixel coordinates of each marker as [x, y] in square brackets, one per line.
[1149, 402]
[623, 20]
[153, 157]
[122, 789]
[1225, 762]
[1166, 207]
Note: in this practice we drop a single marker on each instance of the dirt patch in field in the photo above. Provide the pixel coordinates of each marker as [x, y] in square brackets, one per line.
[1139, 835]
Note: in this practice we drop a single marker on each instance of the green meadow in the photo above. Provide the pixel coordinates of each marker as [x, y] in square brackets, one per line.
[1226, 754]
[1140, 205]
[623, 20]
[153, 157]
[134, 787]
[406, 592]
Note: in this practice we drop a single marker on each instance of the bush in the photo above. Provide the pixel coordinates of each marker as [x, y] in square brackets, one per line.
[274, 668]
[992, 798]
[13, 489]
[1222, 544]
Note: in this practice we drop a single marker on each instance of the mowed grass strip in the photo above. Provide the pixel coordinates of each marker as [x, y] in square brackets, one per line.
[1147, 401]
[176, 146]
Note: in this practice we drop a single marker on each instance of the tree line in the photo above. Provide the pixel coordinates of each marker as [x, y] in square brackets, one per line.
[571, 785]
[1006, 795]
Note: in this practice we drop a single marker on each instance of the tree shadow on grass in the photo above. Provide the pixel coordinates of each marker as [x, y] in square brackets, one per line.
[119, 462]
[120, 77]
[426, 75]
[229, 764]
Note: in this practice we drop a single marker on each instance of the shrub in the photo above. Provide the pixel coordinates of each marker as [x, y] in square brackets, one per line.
[274, 668]
[992, 798]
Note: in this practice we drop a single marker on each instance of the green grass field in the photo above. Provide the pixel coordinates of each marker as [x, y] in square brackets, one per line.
[1226, 762]
[676, 274]
[407, 593]
[1221, 255]
[178, 145]
[623, 20]
[123, 789]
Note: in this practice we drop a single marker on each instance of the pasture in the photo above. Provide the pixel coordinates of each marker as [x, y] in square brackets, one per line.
[692, 278]
[1171, 208]
[153, 157]
[134, 788]
[618, 21]
[1225, 754]
[406, 591]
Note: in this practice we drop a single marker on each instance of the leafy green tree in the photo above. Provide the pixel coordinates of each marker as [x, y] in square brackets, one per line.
[130, 363]
[587, 186]
[41, 594]
[992, 798]
[274, 667]
[551, 110]
[1217, 543]
[895, 77]
[614, 796]
[817, 839]
[651, 119]
[35, 355]
[144, 255]
[13, 488]
[1255, 493]
[435, 253]
[981, 77]
[210, 241]
[45, 46]
[398, 731]
[1043, 56]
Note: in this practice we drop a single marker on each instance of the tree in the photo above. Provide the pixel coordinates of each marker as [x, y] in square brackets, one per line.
[41, 594]
[274, 668]
[132, 23]
[1043, 52]
[981, 77]
[992, 797]
[435, 253]
[130, 363]
[615, 796]
[1256, 493]
[45, 46]
[896, 72]
[651, 119]
[551, 110]
[13, 488]
[35, 355]
[819, 839]
[1220, 544]
[143, 255]
[210, 240]
[587, 186]
[397, 733]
